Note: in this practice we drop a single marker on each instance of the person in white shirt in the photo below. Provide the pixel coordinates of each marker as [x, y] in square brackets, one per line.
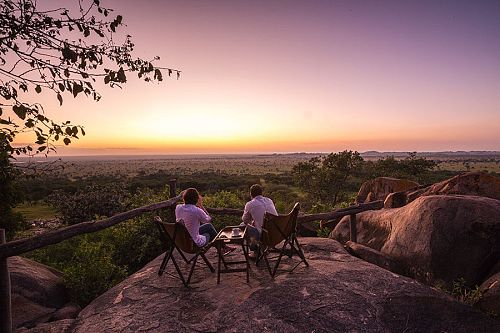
[196, 219]
[253, 215]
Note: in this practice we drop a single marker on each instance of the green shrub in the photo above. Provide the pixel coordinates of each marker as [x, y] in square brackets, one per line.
[87, 203]
[461, 291]
[92, 271]
[86, 263]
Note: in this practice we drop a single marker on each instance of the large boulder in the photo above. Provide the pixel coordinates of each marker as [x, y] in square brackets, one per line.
[434, 237]
[372, 256]
[379, 188]
[471, 183]
[38, 292]
[490, 300]
[336, 293]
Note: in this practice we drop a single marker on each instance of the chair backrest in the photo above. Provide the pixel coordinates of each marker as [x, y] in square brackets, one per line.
[177, 232]
[279, 227]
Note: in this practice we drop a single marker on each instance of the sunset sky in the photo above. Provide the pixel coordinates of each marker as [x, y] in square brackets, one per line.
[302, 76]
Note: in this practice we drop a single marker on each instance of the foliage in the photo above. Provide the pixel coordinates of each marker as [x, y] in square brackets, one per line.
[93, 263]
[88, 203]
[9, 195]
[63, 52]
[461, 291]
[86, 263]
[224, 199]
[322, 232]
[92, 271]
[412, 167]
[325, 178]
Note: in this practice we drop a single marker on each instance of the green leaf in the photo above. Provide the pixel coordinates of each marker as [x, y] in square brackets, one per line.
[67, 141]
[61, 87]
[68, 130]
[38, 89]
[59, 97]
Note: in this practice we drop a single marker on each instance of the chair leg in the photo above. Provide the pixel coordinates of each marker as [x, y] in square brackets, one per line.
[212, 269]
[260, 254]
[166, 258]
[178, 269]
[267, 264]
[279, 258]
[195, 258]
[301, 253]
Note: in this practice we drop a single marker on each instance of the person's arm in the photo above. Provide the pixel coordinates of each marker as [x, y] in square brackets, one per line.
[204, 216]
[247, 217]
[272, 209]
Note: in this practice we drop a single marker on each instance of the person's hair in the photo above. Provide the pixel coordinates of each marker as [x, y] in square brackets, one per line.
[190, 196]
[256, 190]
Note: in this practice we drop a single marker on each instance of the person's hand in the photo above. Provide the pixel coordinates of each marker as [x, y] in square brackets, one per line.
[200, 201]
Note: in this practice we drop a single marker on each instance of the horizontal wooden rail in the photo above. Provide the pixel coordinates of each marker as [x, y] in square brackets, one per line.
[379, 204]
[52, 237]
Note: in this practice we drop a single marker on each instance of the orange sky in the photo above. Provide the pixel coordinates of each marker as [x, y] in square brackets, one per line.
[320, 76]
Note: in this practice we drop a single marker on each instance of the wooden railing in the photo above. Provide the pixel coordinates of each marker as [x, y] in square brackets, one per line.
[29, 244]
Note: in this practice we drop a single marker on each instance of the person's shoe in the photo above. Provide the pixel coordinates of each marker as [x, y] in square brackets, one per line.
[228, 249]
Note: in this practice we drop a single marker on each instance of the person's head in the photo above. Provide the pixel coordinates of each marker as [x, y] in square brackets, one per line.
[190, 196]
[256, 190]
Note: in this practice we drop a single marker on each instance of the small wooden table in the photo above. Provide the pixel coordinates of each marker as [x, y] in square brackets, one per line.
[226, 236]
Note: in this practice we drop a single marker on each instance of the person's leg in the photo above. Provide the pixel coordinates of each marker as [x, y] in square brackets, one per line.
[253, 237]
[208, 229]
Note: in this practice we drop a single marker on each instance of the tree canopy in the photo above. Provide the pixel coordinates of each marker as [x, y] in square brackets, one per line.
[62, 51]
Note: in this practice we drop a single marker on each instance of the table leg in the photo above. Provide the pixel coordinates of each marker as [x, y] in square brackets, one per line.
[219, 255]
[245, 253]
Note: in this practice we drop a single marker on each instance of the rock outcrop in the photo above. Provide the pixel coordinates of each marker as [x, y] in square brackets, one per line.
[434, 237]
[336, 293]
[379, 188]
[490, 300]
[38, 293]
[471, 183]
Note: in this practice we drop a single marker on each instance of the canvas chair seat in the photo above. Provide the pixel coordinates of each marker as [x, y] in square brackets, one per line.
[175, 236]
[277, 229]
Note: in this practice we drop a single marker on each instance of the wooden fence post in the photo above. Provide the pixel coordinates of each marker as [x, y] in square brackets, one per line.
[172, 184]
[5, 297]
[354, 233]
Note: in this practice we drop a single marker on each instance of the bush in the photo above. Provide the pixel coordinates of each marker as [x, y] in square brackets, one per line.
[90, 202]
[86, 263]
[92, 272]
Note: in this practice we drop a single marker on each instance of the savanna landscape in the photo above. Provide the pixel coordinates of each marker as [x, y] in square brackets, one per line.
[135, 137]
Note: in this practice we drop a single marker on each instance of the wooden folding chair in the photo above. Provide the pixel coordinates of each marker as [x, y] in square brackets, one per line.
[175, 236]
[275, 230]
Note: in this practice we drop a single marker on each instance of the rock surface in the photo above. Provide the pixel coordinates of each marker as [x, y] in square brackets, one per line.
[434, 237]
[490, 301]
[37, 292]
[471, 183]
[336, 293]
[372, 256]
[380, 187]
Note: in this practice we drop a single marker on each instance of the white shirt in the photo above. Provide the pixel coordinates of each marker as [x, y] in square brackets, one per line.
[193, 216]
[255, 210]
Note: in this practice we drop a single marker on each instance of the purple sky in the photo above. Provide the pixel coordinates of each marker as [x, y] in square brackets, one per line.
[284, 76]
